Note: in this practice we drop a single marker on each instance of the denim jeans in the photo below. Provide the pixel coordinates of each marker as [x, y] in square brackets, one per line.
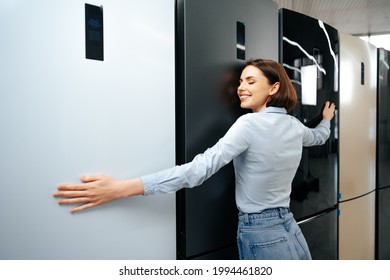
[272, 234]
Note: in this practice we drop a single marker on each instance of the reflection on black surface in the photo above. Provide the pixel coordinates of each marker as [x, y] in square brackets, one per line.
[228, 83]
[383, 156]
[302, 192]
[208, 215]
[383, 118]
[321, 236]
[207, 75]
[204, 129]
[383, 249]
[309, 51]
[306, 41]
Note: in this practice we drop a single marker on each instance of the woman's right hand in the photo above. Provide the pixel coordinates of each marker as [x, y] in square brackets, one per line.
[95, 190]
[328, 112]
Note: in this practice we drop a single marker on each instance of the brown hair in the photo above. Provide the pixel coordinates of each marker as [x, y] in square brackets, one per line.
[286, 96]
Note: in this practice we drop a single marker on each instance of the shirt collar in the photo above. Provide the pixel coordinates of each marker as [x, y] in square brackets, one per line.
[277, 110]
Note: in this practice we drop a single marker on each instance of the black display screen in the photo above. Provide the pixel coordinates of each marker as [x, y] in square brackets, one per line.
[240, 40]
[94, 32]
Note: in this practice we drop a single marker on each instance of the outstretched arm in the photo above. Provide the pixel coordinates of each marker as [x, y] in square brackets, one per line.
[96, 190]
[99, 189]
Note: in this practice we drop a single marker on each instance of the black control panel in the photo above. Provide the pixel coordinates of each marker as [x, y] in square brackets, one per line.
[94, 32]
[240, 40]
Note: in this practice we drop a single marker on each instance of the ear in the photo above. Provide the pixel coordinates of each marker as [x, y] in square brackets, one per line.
[274, 88]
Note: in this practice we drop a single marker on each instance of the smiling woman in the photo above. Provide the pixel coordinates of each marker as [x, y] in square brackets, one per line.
[255, 90]
[265, 83]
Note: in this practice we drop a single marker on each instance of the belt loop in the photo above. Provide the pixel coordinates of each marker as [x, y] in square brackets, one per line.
[246, 218]
[281, 214]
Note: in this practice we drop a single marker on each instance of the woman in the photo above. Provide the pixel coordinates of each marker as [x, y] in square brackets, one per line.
[265, 147]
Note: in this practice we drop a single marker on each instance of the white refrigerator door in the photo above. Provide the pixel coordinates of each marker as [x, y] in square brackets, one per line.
[357, 229]
[357, 117]
[357, 148]
[62, 116]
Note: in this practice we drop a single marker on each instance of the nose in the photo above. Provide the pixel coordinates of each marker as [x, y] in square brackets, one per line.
[240, 87]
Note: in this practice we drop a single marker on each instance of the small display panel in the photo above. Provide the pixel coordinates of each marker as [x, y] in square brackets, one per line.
[240, 40]
[94, 32]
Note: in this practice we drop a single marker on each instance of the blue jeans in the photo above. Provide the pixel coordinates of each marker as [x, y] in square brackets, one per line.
[272, 234]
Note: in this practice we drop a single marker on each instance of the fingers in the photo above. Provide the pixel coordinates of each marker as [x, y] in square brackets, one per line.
[82, 207]
[328, 111]
[69, 193]
[72, 187]
[81, 187]
[329, 105]
[84, 193]
[332, 108]
[73, 194]
[76, 200]
[75, 197]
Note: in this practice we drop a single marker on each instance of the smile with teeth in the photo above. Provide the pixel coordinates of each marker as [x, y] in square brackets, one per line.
[244, 96]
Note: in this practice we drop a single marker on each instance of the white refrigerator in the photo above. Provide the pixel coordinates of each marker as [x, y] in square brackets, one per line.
[357, 115]
[63, 115]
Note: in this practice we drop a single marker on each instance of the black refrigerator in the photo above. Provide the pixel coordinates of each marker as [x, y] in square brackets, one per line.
[213, 39]
[383, 157]
[309, 53]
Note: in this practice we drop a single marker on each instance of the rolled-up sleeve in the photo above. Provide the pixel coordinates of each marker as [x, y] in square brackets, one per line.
[204, 165]
[318, 135]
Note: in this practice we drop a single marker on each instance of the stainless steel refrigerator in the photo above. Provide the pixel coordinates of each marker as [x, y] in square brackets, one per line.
[309, 51]
[358, 113]
[213, 39]
[383, 157]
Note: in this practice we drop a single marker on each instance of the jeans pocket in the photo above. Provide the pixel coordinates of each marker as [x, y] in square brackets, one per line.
[276, 249]
[271, 245]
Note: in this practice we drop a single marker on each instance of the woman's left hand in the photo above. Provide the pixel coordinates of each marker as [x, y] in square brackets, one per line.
[96, 190]
[328, 112]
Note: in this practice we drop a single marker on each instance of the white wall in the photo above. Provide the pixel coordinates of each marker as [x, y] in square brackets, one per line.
[62, 116]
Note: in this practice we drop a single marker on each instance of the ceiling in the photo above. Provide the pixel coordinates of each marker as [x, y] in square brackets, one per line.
[356, 17]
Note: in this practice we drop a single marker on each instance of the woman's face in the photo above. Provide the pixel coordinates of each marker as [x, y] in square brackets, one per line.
[254, 89]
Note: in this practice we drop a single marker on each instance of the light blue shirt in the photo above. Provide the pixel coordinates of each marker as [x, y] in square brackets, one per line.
[266, 148]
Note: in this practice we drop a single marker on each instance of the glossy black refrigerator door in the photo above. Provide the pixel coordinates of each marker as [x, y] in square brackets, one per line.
[383, 122]
[309, 53]
[383, 157]
[213, 38]
[321, 235]
[383, 224]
